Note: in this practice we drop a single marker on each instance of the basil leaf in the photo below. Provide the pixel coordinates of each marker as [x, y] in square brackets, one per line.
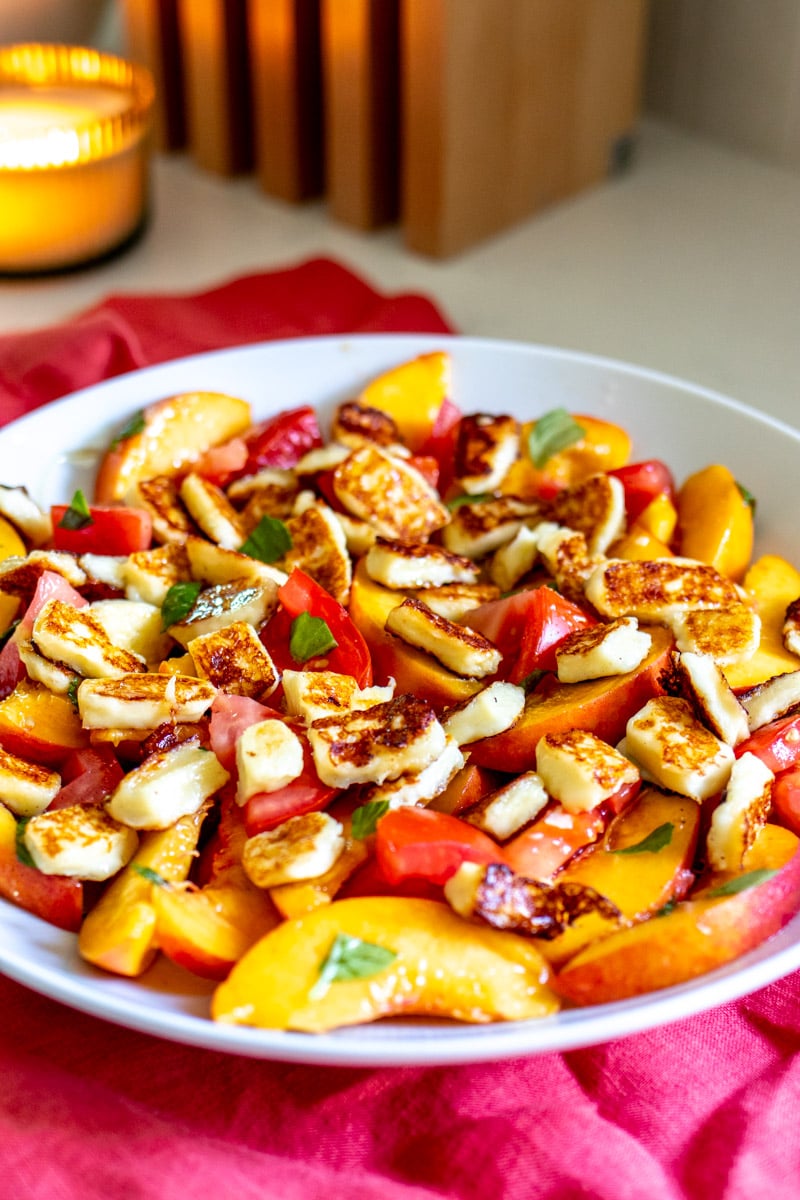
[268, 542]
[150, 875]
[747, 496]
[21, 850]
[656, 840]
[366, 818]
[742, 882]
[465, 498]
[309, 637]
[552, 433]
[529, 683]
[179, 602]
[350, 958]
[72, 692]
[7, 634]
[132, 427]
[77, 515]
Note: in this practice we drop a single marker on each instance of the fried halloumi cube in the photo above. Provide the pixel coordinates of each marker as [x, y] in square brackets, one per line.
[515, 559]
[319, 548]
[486, 447]
[149, 574]
[706, 688]
[659, 589]
[401, 565]
[479, 528]
[454, 601]
[457, 647]
[168, 785]
[135, 626]
[56, 677]
[313, 694]
[599, 650]
[567, 558]
[81, 841]
[235, 660]
[771, 699]
[322, 458]
[735, 822]
[19, 576]
[26, 788]
[493, 710]
[304, 847]
[580, 770]
[595, 507]
[159, 496]
[272, 483]
[418, 788]
[18, 507]
[726, 634]
[77, 638]
[392, 495]
[791, 628]
[372, 745]
[268, 756]
[212, 511]
[108, 569]
[143, 701]
[212, 564]
[356, 424]
[358, 535]
[504, 812]
[676, 750]
[221, 605]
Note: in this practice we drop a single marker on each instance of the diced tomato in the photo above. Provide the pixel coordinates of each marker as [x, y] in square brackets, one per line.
[307, 793]
[526, 627]
[302, 594]
[432, 845]
[113, 530]
[369, 880]
[776, 744]
[88, 776]
[551, 841]
[642, 482]
[441, 443]
[230, 716]
[786, 798]
[221, 464]
[427, 466]
[55, 898]
[11, 669]
[283, 440]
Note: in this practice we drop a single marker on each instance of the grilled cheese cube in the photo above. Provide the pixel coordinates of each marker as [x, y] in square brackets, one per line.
[134, 626]
[358, 535]
[791, 628]
[505, 811]
[75, 637]
[726, 634]
[707, 689]
[454, 601]
[379, 743]
[400, 565]
[26, 788]
[736, 822]
[319, 548]
[392, 495]
[212, 511]
[25, 514]
[80, 841]
[235, 660]
[567, 558]
[493, 710]
[322, 458]
[212, 564]
[581, 771]
[313, 694]
[143, 701]
[355, 424]
[149, 574]
[159, 497]
[19, 576]
[168, 785]
[601, 650]
[418, 787]
[56, 677]
[274, 487]
[268, 756]
[595, 507]
[104, 568]
[221, 605]
[676, 750]
[659, 589]
[771, 699]
[477, 529]
[304, 847]
[487, 445]
[514, 560]
[455, 646]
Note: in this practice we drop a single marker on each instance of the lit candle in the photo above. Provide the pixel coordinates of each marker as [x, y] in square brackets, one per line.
[73, 155]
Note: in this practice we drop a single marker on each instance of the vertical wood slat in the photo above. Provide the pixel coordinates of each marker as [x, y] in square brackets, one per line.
[361, 78]
[509, 107]
[287, 97]
[152, 38]
[218, 99]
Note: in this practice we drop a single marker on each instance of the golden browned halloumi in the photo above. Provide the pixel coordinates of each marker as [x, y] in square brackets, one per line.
[149, 574]
[322, 458]
[356, 424]
[486, 447]
[358, 535]
[313, 694]
[222, 604]
[508, 809]
[159, 497]
[791, 628]
[417, 788]
[212, 511]
[595, 507]
[735, 823]
[212, 564]
[455, 600]
[657, 590]
[135, 626]
[168, 785]
[143, 701]
[75, 637]
[515, 559]
[491, 711]
[392, 495]
[773, 698]
[402, 565]
[455, 646]
[269, 754]
[235, 660]
[320, 550]
[26, 788]
[566, 555]
[726, 634]
[303, 847]
[18, 507]
[275, 488]
[613, 648]
[81, 841]
[676, 750]
[372, 745]
[56, 677]
[706, 688]
[477, 529]
[104, 569]
[19, 576]
[580, 770]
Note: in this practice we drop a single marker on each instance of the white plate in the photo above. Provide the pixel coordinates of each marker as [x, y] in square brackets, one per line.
[686, 425]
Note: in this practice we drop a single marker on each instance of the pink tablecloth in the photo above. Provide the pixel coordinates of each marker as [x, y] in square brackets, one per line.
[705, 1108]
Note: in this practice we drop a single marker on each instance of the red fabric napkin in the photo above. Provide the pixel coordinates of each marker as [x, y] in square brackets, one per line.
[704, 1109]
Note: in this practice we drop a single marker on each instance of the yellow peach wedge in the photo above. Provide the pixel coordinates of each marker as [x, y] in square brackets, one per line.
[412, 394]
[771, 584]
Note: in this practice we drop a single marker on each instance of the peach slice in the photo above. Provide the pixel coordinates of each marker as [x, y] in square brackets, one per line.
[434, 964]
[771, 584]
[412, 394]
[601, 706]
[10, 544]
[175, 432]
[36, 724]
[55, 898]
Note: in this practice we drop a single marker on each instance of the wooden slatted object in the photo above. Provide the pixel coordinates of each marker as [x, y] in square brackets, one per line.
[152, 38]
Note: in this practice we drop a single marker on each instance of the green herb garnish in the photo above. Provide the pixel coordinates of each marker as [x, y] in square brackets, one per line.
[268, 542]
[309, 637]
[179, 602]
[742, 882]
[21, 850]
[553, 432]
[366, 817]
[72, 692]
[350, 958]
[465, 498]
[132, 427]
[529, 683]
[77, 515]
[149, 874]
[667, 908]
[747, 496]
[7, 634]
[656, 840]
